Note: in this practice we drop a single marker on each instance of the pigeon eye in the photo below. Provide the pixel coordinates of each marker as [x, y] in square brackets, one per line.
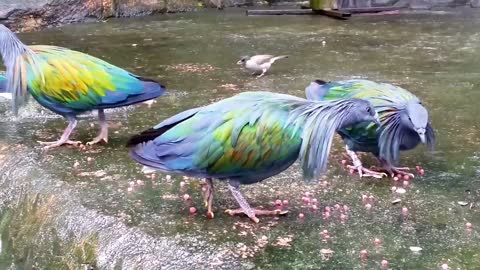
[369, 110]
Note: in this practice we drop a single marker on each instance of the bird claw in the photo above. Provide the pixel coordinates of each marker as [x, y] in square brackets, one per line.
[364, 172]
[49, 145]
[398, 170]
[256, 212]
[97, 140]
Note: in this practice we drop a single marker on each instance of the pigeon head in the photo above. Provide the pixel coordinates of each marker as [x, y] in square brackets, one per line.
[416, 118]
[243, 60]
[360, 111]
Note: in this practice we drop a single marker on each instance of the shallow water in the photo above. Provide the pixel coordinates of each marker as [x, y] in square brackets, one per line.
[436, 56]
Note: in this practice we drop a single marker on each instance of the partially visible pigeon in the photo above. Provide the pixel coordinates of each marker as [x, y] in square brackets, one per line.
[259, 63]
[3, 88]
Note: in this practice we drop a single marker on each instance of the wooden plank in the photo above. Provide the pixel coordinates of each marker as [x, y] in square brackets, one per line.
[370, 9]
[341, 15]
[280, 12]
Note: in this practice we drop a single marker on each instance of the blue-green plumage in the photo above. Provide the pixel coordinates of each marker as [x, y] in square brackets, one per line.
[248, 137]
[69, 83]
[404, 120]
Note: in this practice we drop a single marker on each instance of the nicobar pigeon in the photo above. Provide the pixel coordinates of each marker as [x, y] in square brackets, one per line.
[69, 83]
[247, 138]
[404, 122]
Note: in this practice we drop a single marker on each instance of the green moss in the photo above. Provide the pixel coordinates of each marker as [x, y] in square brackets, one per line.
[30, 238]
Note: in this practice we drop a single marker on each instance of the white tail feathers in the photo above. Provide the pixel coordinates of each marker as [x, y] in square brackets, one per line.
[277, 58]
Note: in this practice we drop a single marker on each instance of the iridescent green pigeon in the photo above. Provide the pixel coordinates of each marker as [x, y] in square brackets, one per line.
[404, 122]
[248, 138]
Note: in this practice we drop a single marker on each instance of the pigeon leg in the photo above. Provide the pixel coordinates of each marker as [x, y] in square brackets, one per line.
[263, 73]
[103, 136]
[72, 123]
[208, 197]
[357, 165]
[245, 207]
[392, 170]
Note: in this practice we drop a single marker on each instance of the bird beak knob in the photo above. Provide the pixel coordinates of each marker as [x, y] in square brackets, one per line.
[239, 62]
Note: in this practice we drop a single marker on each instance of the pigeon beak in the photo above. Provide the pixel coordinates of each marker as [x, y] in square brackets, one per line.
[239, 62]
[422, 137]
[377, 119]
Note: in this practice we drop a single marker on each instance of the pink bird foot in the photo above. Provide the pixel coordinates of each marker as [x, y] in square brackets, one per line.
[49, 145]
[103, 136]
[392, 170]
[364, 172]
[256, 212]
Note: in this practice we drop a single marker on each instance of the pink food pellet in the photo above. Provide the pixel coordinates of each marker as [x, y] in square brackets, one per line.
[371, 198]
[76, 164]
[324, 232]
[306, 200]
[308, 194]
[301, 216]
[140, 183]
[394, 188]
[328, 209]
[326, 237]
[129, 189]
[469, 225]
[131, 183]
[314, 207]
[377, 241]
[418, 168]
[193, 210]
[182, 184]
[406, 177]
[278, 202]
[314, 201]
[345, 208]
[352, 171]
[422, 172]
[405, 211]
[405, 183]
[285, 202]
[395, 178]
[364, 197]
[399, 176]
[344, 162]
[186, 197]
[326, 215]
[384, 264]
[363, 254]
[368, 206]
[337, 206]
[343, 217]
[445, 266]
